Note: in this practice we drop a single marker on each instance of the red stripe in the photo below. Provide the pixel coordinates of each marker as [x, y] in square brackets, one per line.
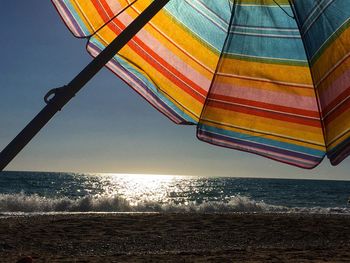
[266, 114]
[344, 107]
[107, 8]
[101, 12]
[264, 105]
[190, 90]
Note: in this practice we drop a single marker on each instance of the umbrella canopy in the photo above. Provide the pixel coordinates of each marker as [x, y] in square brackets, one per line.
[263, 76]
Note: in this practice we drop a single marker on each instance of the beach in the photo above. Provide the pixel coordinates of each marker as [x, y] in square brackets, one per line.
[176, 237]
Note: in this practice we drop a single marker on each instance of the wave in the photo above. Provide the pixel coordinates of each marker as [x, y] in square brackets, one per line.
[14, 203]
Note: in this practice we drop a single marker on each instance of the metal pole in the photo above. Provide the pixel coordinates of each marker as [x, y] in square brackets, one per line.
[63, 95]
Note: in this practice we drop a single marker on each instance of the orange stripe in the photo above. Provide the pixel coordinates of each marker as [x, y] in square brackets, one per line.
[265, 114]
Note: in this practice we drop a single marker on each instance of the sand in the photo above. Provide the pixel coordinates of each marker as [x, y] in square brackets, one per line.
[176, 238]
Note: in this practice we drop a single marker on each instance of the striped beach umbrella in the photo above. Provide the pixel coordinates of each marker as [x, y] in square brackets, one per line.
[270, 77]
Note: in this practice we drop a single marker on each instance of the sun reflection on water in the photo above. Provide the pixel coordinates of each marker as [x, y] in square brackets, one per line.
[144, 187]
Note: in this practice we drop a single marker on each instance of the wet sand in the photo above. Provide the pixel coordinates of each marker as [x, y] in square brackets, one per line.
[176, 238]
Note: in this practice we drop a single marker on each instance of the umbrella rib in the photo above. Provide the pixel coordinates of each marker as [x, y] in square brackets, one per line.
[112, 18]
[95, 31]
[206, 101]
[285, 11]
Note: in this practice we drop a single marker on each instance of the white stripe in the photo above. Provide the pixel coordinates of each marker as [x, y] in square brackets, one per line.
[317, 8]
[86, 18]
[264, 35]
[207, 17]
[267, 28]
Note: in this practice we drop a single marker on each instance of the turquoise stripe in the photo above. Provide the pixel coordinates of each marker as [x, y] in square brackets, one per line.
[243, 41]
[268, 47]
[264, 16]
[77, 18]
[201, 27]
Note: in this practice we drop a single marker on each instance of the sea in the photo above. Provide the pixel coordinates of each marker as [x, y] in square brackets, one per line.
[26, 193]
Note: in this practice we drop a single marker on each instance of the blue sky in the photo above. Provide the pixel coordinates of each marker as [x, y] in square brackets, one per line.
[107, 127]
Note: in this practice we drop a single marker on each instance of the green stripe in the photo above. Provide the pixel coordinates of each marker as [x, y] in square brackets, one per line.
[268, 61]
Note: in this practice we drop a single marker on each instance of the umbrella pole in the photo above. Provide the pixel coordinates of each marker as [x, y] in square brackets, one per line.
[61, 96]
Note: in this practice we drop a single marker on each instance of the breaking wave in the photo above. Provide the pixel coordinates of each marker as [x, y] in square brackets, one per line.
[22, 203]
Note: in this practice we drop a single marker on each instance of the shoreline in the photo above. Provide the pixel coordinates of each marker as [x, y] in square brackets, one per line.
[104, 213]
[180, 237]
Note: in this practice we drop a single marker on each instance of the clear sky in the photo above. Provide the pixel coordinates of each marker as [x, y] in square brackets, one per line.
[107, 127]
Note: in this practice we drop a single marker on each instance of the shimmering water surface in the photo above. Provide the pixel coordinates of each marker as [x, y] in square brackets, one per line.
[58, 192]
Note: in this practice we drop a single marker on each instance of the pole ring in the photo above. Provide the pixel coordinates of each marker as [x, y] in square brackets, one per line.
[51, 94]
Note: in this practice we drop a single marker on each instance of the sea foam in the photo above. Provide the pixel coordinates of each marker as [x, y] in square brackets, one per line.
[13, 203]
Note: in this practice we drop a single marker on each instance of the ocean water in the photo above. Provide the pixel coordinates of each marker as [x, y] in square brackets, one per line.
[43, 192]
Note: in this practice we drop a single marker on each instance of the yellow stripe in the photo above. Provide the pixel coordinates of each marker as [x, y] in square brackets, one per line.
[87, 11]
[306, 92]
[284, 73]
